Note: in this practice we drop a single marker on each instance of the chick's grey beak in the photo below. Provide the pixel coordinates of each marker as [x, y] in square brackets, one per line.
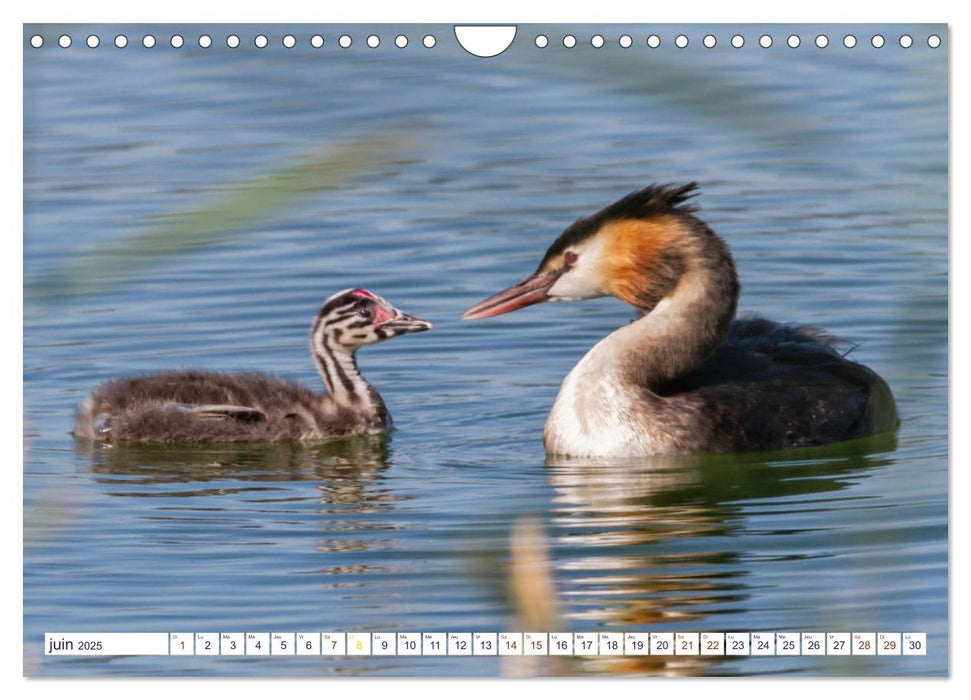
[403, 323]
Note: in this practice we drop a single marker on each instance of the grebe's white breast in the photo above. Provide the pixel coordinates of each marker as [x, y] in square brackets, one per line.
[597, 413]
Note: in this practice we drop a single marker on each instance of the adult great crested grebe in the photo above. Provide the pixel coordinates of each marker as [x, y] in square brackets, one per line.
[686, 376]
[195, 406]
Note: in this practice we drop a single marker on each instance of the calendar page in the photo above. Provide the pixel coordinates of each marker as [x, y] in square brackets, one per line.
[523, 349]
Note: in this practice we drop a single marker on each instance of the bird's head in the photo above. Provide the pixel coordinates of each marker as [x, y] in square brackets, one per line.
[635, 249]
[356, 317]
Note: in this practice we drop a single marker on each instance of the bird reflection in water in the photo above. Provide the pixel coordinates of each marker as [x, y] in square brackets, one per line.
[356, 459]
[636, 541]
[350, 492]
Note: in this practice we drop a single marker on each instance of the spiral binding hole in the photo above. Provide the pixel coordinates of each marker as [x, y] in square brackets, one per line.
[541, 41]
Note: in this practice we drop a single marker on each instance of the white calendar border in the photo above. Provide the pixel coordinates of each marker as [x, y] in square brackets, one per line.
[14, 654]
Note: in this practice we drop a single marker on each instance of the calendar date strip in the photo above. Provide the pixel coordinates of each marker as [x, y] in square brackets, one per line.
[486, 644]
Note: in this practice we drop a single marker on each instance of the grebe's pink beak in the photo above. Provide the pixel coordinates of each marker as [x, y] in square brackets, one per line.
[531, 290]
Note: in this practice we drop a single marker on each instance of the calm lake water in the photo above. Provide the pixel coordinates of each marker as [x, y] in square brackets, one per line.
[825, 170]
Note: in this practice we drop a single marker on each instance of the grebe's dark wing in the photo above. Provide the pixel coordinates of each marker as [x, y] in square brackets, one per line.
[770, 385]
[242, 413]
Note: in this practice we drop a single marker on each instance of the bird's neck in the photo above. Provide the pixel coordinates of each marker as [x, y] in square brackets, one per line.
[345, 384]
[606, 400]
[683, 329]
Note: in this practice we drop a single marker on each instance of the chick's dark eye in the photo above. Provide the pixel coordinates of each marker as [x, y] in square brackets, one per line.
[364, 312]
[569, 257]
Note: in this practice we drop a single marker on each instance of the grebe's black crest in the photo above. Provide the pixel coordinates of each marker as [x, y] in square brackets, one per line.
[653, 200]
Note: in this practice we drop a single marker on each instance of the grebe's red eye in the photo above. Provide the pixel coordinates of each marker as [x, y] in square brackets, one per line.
[569, 257]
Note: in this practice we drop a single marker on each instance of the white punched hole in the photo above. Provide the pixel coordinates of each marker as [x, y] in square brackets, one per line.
[680, 41]
[934, 41]
[709, 41]
[542, 42]
[401, 41]
[64, 41]
[232, 41]
[374, 41]
[176, 41]
[793, 41]
[597, 41]
[429, 41]
[148, 41]
[121, 41]
[484, 41]
[92, 41]
[765, 41]
[822, 41]
[849, 41]
[569, 41]
[345, 41]
[738, 41]
[289, 41]
[260, 41]
[205, 41]
[653, 41]
[877, 41]
[625, 41]
[316, 41]
[906, 41]
[37, 41]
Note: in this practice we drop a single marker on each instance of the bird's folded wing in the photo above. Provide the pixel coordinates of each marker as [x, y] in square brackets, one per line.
[244, 413]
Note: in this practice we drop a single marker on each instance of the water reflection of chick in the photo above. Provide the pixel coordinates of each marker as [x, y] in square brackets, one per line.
[354, 459]
[647, 545]
[349, 489]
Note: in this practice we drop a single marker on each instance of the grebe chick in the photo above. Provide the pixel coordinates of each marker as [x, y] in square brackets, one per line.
[193, 406]
[686, 376]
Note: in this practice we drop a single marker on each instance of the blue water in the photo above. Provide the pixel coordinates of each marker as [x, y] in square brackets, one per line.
[825, 170]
